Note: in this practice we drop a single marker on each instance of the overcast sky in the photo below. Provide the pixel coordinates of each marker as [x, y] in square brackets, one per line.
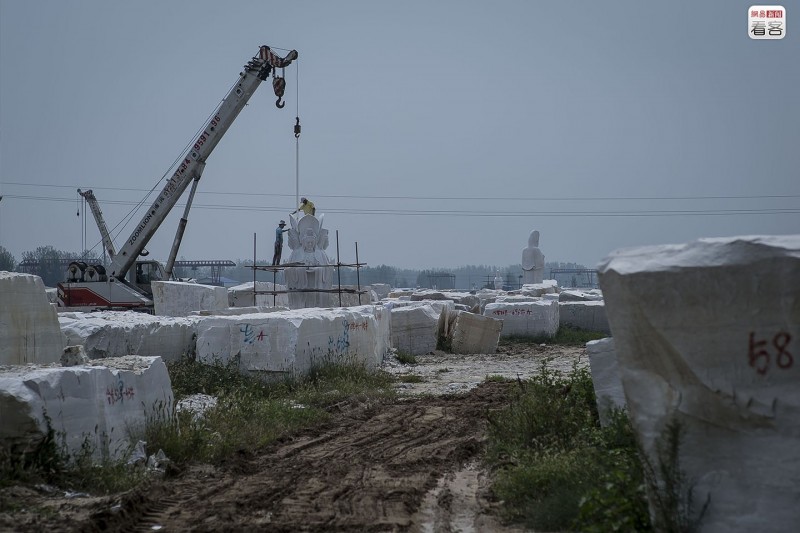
[435, 133]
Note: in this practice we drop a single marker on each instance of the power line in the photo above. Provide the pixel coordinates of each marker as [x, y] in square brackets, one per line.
[461, 213]
[403, 197]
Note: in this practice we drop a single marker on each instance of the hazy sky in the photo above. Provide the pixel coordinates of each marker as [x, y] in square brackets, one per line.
[435, 133]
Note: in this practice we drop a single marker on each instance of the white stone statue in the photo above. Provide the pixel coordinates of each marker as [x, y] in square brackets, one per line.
[532, 260]
[498, 281]
[308, 241]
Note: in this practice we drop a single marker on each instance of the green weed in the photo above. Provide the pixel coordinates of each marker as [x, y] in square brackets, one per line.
[49, 461]
[40, 461]
[565, 336]
[411, 378]
[671, 492]
[406, 358]
[556, 468]
[251, 412]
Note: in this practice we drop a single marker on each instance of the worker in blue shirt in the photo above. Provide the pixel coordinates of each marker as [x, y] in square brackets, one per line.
[279, 231]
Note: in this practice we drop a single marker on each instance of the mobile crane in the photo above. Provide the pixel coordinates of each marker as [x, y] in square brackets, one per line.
[118, 286]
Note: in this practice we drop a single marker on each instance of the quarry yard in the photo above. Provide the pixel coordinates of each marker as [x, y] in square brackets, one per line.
[411, 463]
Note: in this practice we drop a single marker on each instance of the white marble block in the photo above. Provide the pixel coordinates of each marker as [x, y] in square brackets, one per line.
[118, 333]
[586, 315]
[293, 341]
[29, 331]
[605, 377]
[708, 334]
[547, 286]
[383, 328]
[415, 328]
[526, 319]
[242, 295]
[179, 298]
[350, 296]
[382, 290]
[101, 405]
[475, 333]
[577, 295]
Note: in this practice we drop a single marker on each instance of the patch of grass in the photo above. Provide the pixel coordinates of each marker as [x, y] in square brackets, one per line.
[250, 412]
[191, 377]
[49, 461]
[671, 492]
[406, 358]
[444, 343]
[496, 378]
[544, 492]
[617, 500]
[556, 468]
[331, 382]
[40, 461]
[411, 378]
[565, 336]
[105, 476]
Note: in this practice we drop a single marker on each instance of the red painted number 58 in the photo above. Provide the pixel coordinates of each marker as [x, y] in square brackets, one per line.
[760, 352]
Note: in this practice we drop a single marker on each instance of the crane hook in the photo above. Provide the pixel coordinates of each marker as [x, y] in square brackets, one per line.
[297, 128]
[279, 86]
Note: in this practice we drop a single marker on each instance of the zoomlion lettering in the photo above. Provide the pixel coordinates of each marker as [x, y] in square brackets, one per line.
[142, 224]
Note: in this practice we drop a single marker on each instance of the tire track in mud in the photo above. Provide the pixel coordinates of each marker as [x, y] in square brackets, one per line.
[366, 471]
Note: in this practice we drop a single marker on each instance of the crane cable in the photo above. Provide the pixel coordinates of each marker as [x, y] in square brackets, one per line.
[297, 135]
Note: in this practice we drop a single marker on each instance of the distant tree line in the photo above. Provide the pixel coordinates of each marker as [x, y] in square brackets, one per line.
[7, 261]
[48, 264]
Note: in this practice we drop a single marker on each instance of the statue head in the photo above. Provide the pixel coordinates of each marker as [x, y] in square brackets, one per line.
[533, 239]
[308, 239]
[307, 233]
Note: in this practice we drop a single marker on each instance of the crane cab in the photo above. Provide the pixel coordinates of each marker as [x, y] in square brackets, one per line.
[145, 273]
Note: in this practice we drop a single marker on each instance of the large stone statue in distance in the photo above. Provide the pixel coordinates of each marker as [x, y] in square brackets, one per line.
[532, 260]
[308, 241]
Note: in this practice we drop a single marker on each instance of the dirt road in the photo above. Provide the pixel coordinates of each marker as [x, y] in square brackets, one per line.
[409, 464]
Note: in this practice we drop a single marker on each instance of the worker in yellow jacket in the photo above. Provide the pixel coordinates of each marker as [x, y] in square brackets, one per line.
[306, 206]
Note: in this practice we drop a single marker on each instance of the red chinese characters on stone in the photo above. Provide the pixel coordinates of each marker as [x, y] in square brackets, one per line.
[350, 326]
[119, 394]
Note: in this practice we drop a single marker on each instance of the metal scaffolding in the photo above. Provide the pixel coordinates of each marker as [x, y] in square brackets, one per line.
[276, 268]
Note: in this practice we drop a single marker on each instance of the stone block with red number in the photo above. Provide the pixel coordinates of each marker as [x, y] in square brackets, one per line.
[707, 336]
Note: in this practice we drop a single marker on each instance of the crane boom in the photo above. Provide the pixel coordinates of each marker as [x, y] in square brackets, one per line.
[190, 168]
[108, 244]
